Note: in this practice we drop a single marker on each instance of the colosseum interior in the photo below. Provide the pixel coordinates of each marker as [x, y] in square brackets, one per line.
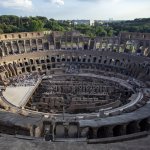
[61, 86]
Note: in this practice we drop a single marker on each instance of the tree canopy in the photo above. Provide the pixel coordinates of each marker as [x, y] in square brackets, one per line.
[11, 23]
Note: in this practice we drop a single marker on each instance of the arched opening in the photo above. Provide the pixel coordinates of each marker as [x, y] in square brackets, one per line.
[68, 59]
[26, 63]
[43, 67]
[19, 36]
[117, 62]
[20, 64]
[6, 74]
[42, 61]
[84, 60]
[23, 70]
[102, 132]
[46, 46]
[144, 125]
[53, 66]
[90, 133]
[84, 132]
[12, 69]
[118, 130]
[1, 54]
[33, 68]
[39, 41]
[132, 127]
[94, 60]
[73, 131]
[53, 59]
[59, 131]
[58, 45]
[105, 61]
[31, 61]
[73, 59]
[47, 60]
[63, 60]
[28, 69]
[86, 46]
[48, 67]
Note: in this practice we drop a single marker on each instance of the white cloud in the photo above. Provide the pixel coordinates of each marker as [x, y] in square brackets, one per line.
[17, 4]
[57, 2]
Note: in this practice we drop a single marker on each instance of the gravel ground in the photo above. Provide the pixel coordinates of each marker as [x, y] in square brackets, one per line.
[11, 143]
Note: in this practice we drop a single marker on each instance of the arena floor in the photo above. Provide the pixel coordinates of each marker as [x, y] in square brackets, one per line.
[17, 95]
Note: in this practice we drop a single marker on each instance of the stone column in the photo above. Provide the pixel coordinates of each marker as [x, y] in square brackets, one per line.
[24, 46]
[38, 131]
[109, 132]
[12, 47]
[3, 53]
[78, 44]
[95, 133]
[32, 131]
[19, 50]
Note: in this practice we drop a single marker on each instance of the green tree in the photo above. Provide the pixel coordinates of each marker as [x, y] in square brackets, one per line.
[36, 25]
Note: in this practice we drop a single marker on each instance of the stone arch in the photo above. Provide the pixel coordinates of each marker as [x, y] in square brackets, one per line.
[117, 62]
[6, 74]
[63, 59]
[132, 127]
[144, 125]
[46, 45]
[105, 61]
[39, 41]
[42, 61]
[9, 72]
[44, 67]
[28, 69]
[15, 67]
[100, 59]
[84, 132]
[102, 132]
[90, 133]
[0, 78]
[1, 52]
[15, 47]
[23, 70]
[48, 60]
[26, 63]
[33, 41]
[84, 59]
[79, 59]
[94, 59]
[53, 59]
[20, 64]
[31, 61]
[48, 67]
[85, 46]
[118, 130]
[59, 131]
[73, 59]
[73, 131]
[33, 68]
[148, 71]
[11, 69]
[68, 59]
[5, 51]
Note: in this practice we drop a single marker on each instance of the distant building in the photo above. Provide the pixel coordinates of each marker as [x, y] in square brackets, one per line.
[98, 22]
[75, 22]
[86, 22]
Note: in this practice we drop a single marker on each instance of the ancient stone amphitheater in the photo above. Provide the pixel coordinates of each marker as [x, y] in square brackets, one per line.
[66, 86]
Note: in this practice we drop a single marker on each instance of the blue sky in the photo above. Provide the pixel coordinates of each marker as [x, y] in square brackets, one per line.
[78, 9]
